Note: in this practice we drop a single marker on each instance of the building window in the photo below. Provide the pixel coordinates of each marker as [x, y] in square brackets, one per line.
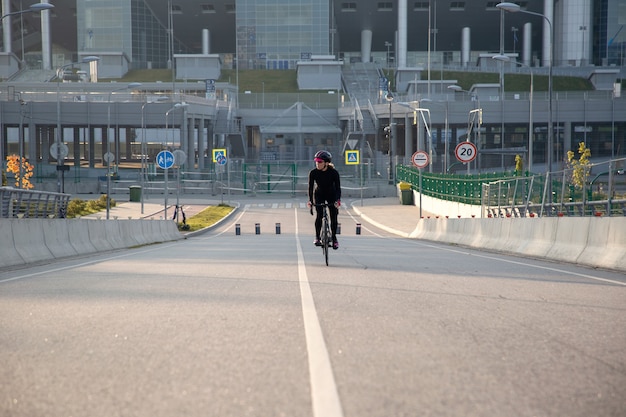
[420, 6]
[207, 8]
[491, 5]
[457, 6]
[176, 9]
[230, 8]
[385, 6]
[348, 7]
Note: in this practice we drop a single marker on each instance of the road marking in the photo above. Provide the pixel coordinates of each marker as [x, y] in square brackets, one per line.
[324, 393]
[522, 263]
[82, 264]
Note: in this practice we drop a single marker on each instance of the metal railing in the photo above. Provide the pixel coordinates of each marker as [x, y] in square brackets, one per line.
[29, 204]
[524, 195]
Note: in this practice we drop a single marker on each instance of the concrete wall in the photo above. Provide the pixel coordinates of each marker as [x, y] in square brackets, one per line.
[593, 241]
[36, 240]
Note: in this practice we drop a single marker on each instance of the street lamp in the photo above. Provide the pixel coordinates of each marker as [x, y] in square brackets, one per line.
[59, 139]
[446, 151]
[505, 58]
[37, 7]
[108, 157]
[144, 151]
[388, 45]
[33, 8]
[389, 98]
[176, 106]
[473, 114]
[513, 8]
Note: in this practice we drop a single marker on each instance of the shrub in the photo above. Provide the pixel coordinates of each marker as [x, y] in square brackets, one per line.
[76, 207]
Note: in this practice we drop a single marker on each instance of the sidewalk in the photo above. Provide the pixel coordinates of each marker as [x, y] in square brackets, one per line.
[388, 214]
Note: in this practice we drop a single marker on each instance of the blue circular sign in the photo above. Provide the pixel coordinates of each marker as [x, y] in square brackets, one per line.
[165, 159]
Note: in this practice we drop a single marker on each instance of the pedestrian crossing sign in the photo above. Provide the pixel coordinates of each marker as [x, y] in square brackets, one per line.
[219, 154]
[352, 158]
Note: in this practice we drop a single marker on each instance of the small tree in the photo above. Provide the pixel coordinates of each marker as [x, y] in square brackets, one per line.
[14, 162]
[581, 167]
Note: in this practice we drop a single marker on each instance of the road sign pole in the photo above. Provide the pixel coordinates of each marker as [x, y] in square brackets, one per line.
[420, 186]
[166, 192]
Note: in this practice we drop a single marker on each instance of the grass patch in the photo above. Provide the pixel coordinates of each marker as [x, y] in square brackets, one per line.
[208, 217]
[285, 81]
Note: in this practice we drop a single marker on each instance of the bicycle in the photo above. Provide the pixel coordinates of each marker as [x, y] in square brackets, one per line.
[176, 216]
[325, 234]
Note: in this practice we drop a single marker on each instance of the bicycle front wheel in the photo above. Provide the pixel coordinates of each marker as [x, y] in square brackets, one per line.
[325, 240]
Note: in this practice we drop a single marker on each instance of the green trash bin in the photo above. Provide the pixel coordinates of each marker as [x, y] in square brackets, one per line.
[407, 197]
[406, 193]
[135, 193]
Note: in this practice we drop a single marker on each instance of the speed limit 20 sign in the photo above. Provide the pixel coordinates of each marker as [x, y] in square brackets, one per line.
[466, 152]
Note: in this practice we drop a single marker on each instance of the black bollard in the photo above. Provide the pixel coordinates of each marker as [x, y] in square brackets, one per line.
[257, 228]
[237, 229]
[358, 228]
[277, 228]
[338, 228]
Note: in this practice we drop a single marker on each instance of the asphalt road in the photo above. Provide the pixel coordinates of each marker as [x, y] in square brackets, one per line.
[257, 325]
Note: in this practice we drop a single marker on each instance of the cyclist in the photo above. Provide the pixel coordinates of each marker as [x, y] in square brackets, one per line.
[324, 186]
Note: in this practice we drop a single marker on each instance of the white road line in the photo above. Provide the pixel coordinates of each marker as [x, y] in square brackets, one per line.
[81, 264]
[324, 393]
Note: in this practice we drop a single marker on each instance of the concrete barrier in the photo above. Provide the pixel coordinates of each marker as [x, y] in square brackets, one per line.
[78, 238]
[33, 240]
[56, 235]
[591, 241]
[8, 253]
[28, 236]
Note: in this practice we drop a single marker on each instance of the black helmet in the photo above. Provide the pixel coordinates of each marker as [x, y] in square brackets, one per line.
[323, 156]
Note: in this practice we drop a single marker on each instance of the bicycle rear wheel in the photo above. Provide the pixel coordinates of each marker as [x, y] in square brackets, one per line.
[325, 240]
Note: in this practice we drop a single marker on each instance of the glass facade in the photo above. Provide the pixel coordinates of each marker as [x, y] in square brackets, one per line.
[616, 36]
[104, 26]
[275, 34]
[127, 26]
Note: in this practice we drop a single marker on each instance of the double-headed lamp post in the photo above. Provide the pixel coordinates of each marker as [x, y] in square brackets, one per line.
[477, 113]
[513, 8]
[506, 58]
[107, 156]
[59, 135]
[445, 137]
[389, 98]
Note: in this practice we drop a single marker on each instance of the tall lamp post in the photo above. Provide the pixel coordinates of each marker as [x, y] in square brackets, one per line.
[389, 98]
[477, 112]
[388, 45]
[505, 58]
[59, 136]
[167, 113]
[446, 157]
[513, 8]
[108, 157]
[37, 7]
[144, 150]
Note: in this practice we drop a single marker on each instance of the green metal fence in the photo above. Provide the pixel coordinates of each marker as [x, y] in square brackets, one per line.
[547, 194]
[465, 189]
